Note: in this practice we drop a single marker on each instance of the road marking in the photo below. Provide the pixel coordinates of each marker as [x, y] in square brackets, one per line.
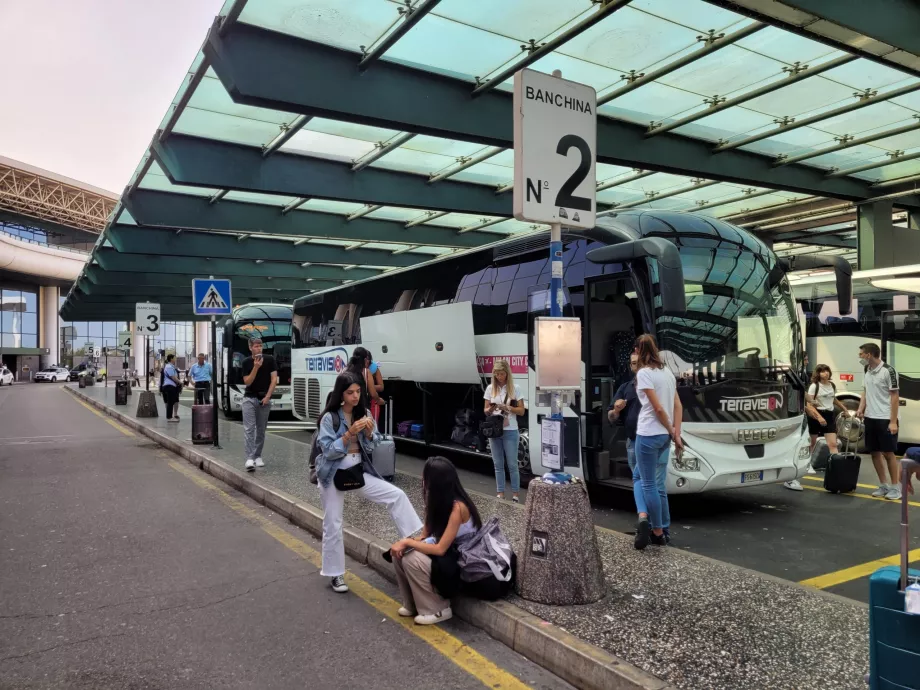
[857, 571]
[471, 661]
[821, 479]
[871, 498]
[105, 418]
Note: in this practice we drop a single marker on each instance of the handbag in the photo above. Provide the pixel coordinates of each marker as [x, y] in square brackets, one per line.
[349, 478]
[492, 426]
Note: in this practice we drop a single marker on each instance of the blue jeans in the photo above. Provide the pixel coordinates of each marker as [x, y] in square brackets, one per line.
[634, 468]
[505, 451]
[652, 453]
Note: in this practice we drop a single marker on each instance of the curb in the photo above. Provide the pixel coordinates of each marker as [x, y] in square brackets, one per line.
[577, 662]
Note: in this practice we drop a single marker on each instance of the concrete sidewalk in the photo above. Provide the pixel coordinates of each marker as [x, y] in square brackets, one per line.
[687, 620]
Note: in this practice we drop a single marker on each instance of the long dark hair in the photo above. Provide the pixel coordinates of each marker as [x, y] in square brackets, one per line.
[343, 382]
[358, 361]
[647, 349]
[442, 489]
[816, 377]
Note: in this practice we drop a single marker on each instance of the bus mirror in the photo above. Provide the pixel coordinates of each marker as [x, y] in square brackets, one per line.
[670, 270]
[842, 271]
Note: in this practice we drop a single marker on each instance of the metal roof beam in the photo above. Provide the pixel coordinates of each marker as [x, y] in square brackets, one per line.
[321, 80]
[847, 142]
[712, 44]
[893, 183]
[818, 238]
[165, 295]
[788, 124]
[896, 157]
[130, 239]
[381, 149]
[147, 282]
[464, 163]
[655, 196]
[111, 260]
[610, 184]
[535, 52]
[206, 163]
[795, 74]
[748, 194]
[410, 17]
[164, 209]
[284, 136]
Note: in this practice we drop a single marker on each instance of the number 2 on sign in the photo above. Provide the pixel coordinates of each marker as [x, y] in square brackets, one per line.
[565, 198]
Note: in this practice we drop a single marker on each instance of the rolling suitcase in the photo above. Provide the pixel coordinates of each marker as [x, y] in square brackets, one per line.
[384, 457]
[894, 634]
[842, 472]
[820, 455]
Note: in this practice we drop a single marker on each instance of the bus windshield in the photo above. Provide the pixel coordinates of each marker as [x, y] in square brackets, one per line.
[740, 323]
[273, 326]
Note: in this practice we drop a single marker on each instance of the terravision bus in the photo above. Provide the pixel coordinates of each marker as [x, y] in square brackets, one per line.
[883, 311]
[270, 322]
[715, 296]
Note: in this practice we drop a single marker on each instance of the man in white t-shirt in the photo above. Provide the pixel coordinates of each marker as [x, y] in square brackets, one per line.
[878, 406]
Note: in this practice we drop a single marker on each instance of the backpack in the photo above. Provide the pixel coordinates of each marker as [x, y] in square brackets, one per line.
[316, 451]
[488, 554]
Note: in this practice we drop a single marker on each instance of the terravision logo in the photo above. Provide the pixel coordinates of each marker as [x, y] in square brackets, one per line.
[762, 402]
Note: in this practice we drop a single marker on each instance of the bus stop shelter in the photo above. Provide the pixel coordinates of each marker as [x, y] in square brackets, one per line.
[315, 142]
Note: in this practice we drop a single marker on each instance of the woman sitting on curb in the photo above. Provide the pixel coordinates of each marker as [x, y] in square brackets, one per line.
[347, 436]
[450, 518]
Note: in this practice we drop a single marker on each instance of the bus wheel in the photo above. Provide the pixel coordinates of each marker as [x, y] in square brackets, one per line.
[225, 405]
[524, 453]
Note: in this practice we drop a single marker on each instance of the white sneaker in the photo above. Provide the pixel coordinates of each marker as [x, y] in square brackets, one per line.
[433, 618]
[881, 491]
[894, 493]
[250, 465]
[173, 419]
[259, 462]
[794, 485]
[405, 613]
[811, 470]
[338, 584]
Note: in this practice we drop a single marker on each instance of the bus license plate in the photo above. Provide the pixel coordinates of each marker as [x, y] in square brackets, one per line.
[751, 477]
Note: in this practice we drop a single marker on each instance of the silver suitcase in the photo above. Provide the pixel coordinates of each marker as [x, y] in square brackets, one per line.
[384, 457]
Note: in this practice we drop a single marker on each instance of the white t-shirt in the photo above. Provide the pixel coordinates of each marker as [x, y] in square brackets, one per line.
[823, 394]
[664, 384]
[501, 398]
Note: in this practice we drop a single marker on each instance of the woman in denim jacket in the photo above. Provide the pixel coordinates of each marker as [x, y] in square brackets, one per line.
[343, 448]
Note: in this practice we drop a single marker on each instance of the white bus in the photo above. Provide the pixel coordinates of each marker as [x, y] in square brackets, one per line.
[716, 298]
[882, 313]
[270, 322]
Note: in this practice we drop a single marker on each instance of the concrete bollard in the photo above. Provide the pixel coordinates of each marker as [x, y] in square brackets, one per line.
[561, 564]
[147, 405]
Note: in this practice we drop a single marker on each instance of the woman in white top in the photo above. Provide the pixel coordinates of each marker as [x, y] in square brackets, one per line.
[450, 518]
[659, 426]
[504, 400]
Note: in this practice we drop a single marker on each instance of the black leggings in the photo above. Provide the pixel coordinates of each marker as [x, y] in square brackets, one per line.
[171, 397]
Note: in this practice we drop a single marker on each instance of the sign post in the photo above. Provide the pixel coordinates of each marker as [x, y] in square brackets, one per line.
[555, 147]
[147, 323]
[212, 297]
[124, 343]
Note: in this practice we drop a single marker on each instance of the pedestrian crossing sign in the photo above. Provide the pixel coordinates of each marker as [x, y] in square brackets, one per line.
[211, 296]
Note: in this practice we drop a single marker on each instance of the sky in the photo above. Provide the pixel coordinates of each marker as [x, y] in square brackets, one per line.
[85, 83]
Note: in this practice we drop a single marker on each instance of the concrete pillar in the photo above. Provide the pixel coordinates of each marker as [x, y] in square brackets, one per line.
[883, 244]
[203, 338]
[49, 331]
[913, 220]
[137, 350]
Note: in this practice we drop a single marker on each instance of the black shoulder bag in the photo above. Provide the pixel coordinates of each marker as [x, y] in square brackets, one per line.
[350, 478]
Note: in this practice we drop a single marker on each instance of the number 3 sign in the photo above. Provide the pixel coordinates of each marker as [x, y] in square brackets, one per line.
[147, 318]
[555, 144]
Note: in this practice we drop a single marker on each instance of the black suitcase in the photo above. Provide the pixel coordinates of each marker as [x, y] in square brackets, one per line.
[842, 472]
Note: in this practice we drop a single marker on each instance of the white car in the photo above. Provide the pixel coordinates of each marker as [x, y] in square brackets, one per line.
[52, 374]
[6, 376]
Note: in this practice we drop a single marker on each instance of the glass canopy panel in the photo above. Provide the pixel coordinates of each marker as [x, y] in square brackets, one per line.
[350, 130]
[156, 179]
[908, 140]
[403, 215]
[847, 158]
[652, 102]
[210, 95]
[220, 127]
[787, 47]
[894, 171]
[884, 114]
[541, 18]
[726, 124]
[606, 172]
[327, 146]
[801, 97]
[695, 14]
[263, 199]
[342, 208]
[620, 195]
[750, 205]
[416, 162]
[486, 173]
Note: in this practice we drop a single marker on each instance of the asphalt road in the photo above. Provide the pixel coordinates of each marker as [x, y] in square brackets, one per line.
[123, 567]
[793, 535]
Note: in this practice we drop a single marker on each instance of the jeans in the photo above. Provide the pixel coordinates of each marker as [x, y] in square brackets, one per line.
[505, 451]
[202, 392]
[638, 494]
[652, 453]
[255, 419]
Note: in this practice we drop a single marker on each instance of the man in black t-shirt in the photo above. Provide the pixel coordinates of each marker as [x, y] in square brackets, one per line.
[260, 374]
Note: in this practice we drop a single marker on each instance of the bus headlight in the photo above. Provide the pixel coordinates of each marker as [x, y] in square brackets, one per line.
[688, 461]
[804, 455]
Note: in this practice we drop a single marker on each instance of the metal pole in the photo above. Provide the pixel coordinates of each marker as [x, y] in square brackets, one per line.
[214, 380]
[555, 296]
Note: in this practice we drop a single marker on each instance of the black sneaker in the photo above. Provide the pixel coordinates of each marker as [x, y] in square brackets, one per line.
[667, 535]
[643, 534]
[338, 584]
[659, 539]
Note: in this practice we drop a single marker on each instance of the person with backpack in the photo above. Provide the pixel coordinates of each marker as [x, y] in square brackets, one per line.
[345, 441]
[170, 388]
[822, 408]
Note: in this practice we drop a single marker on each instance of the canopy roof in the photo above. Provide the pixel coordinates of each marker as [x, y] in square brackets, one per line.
[315, 142]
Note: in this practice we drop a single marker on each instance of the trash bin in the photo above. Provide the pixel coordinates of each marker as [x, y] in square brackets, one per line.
[202, 424]
[121, 392]
[82, 380]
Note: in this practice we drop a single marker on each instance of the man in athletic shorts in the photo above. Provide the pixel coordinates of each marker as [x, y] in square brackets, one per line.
[879, 407]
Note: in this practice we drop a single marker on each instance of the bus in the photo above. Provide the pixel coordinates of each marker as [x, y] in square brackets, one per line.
[716, 298]
[272, 323]
[882, 311]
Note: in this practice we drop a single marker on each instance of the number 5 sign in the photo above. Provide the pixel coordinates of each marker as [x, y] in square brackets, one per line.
[555, 144]
[147, 318]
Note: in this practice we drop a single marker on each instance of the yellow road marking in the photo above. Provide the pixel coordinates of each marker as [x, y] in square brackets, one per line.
[446, 644]
[106, 418]
[857, 571]
[821, 479]
[871, 498]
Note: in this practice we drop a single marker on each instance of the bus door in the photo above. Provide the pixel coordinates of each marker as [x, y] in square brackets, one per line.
[612, 323]
[901, 349]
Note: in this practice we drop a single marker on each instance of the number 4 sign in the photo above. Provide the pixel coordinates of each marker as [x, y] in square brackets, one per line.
[555, 144]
